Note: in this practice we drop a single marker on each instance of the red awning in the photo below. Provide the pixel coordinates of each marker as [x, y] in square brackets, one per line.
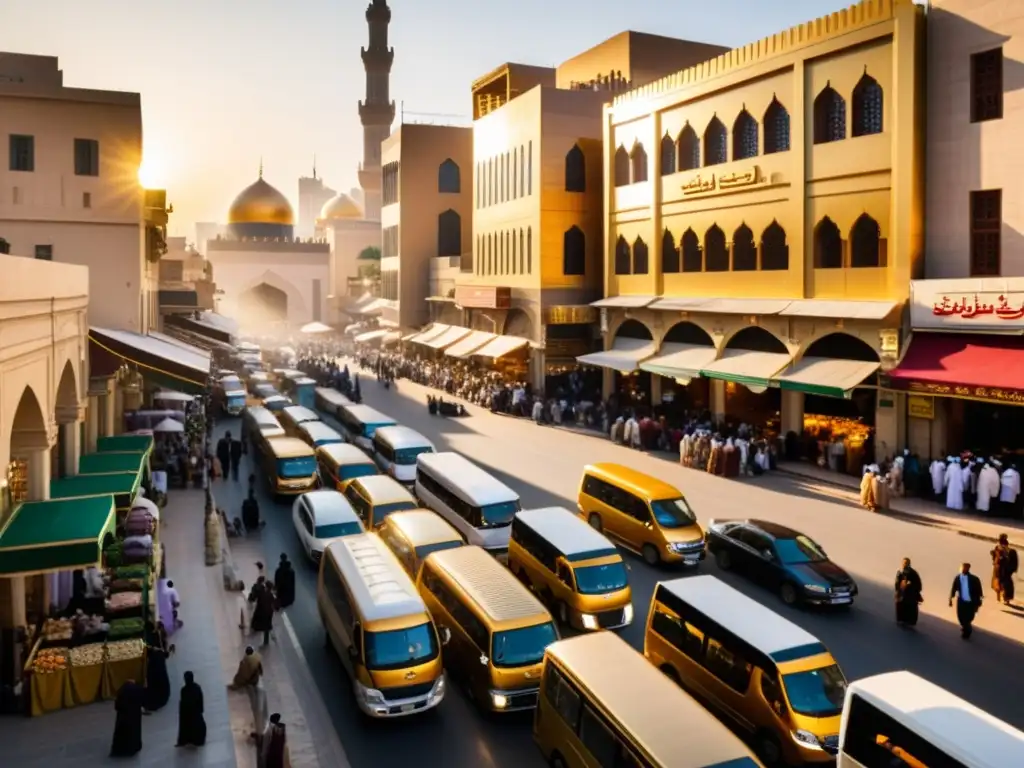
[963, 365]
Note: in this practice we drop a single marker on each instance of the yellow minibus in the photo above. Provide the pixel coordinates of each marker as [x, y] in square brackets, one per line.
[374, 497]
[414, 534]
[290, 465]
[341, 463]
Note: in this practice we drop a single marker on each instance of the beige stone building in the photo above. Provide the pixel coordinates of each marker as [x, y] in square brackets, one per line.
[764, 221]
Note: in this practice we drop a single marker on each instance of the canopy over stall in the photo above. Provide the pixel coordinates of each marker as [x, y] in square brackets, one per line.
[469, 344]
[124, 486]
[391, 337]
[113, 461]
[501, 346]
[453, 334]
[624, 356]
[747, 367]
[374, 335]
[121, 443]
[55, 535]
[831, 377]
[963, 365]
[200, 328]
[316, 328]
[176, 366]
[430, 333]
[680, 361]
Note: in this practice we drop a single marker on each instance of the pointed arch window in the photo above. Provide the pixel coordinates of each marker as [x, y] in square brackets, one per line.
[640, 257]
[522, 252]
[693, 259]
[828, 245]
[867, 248]
[668, 155]
[514, 252]
[623, 257]
[575, 170]
[829, 116]
[506, 255]
[867, 106]
[688, 149]
[574, 252]
[774, 249]
[776, 128]
[744, 252]
[621, 167]
[515, 174]
[529, 250]
[716, 143]
[529, 169]
[716, 251]
[638, 163]
[522, 170]
[489, 266]
[669, 254]
[744, 136]
[448, 181]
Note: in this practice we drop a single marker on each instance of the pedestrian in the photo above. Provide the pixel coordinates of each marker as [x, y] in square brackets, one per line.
[127, 740]
[966, 590]
[908, 594]
[273, 752]
[284, 582]
[158, 683]
[224, 454]
[191, 723]
[867, 494]
[236, 457]
[249, 678]
[1004, 566]
[251, 513]
[264, 604]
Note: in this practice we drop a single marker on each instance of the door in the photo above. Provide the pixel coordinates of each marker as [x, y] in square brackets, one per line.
[308, 526]
[758, 556]
[637, 521]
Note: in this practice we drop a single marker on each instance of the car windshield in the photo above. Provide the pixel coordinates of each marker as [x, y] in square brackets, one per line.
[400, 648]
[352, 471]
[799, 550]
[600, 579]
[236, 398]
[499, 515]
[522, 647]
[426, 549]
[406, 456]
[817, 692]
[380, 511]
[673, 513]
[334, 530]
[299, 466]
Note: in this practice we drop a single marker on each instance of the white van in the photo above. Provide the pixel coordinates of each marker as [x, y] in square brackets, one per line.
[479, 506]
[396, 449]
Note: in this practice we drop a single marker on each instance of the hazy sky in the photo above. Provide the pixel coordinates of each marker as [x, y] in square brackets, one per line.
[224, 82]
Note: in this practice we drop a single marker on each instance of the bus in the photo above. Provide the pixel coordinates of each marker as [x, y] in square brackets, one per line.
[361, 422]
[603, 704]
[901, 720]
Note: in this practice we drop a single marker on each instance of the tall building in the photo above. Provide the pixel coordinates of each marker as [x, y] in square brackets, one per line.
[313, 193]
[206, 231]
[377, 111]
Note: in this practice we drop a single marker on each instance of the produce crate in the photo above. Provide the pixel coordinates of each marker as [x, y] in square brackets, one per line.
[49, 691]
[86, 672]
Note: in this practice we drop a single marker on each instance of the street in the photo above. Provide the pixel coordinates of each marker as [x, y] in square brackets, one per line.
[543, 464]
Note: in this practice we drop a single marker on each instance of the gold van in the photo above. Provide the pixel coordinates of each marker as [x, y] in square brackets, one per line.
[341, 463]
[495, 631]
[374, 497]
[294, 415]
[290, 465]
[757, 670]
[644, 514]
[574, 569]
[379, 626]
[415, 534]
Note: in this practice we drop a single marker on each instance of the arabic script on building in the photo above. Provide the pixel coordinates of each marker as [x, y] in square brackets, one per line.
[968, 309]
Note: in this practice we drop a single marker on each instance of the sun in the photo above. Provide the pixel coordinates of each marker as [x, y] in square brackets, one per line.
[151, 173]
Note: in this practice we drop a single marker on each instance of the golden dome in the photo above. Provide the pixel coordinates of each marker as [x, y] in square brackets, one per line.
[260, 203]
[341, 206]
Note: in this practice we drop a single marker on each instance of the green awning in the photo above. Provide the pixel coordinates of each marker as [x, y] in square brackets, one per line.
[122, 485]
[831, 377]
[112, 461]
[55, 535]
[121, 443]
[680, 361]
[747, 367]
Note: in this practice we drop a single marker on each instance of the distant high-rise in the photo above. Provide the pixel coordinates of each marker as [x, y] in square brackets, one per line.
[313, 193]
[377, 112]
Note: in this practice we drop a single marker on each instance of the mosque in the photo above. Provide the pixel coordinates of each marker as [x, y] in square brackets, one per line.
[273, 280]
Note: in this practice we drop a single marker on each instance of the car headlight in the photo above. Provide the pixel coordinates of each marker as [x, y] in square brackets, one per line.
[369, 695]
[589, 620]
[807, 739]
[816, 588]
[676, 547]
[499, 700]
[627, 614]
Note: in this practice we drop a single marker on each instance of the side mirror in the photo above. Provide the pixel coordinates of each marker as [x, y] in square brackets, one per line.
[767, 554]
[446, 635]
[484, 660]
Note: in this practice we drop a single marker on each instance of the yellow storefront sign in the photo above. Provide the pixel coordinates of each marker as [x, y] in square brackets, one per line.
[921, 407]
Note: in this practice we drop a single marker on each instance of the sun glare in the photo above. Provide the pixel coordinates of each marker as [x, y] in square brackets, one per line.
[151, 174]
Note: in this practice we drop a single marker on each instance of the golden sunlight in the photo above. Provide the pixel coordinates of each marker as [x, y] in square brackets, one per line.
[151, 173]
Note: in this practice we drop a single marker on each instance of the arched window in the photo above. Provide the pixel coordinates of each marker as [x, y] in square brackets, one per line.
[448, 177]
[575, 170]
[744, 136]
[668, 155]
[506, 178]
[529, 250]
[638, 163]
[829, 116]
[522, 170]
[688, 149]
[529, 169]
[828, 245]
[522, 252]
[574, 252]
[640, 266]
[693, 259]
[715, 250]
[866, 243]
[669, 254]
[622, 256]
[515, 174]
[621, 167]
[513, 251]
[867, 107]
[776, 128]
[489, 265]
[774, 250]
[506, 261]
[716, 143]
[744, 252]
[449, 234]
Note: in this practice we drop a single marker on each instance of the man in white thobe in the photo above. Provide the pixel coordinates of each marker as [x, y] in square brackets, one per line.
[1009, 491]
[988, 487]
[937, 470]
[954, 485]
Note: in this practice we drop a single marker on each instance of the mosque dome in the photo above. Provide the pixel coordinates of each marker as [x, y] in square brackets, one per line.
[261, 211]
[341, 206]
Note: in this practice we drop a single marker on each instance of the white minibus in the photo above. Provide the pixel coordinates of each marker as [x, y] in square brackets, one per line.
[396, 449]
[360, 422]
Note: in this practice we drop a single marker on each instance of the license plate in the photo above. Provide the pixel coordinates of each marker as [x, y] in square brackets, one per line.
[692, 559]
[408, 707]
[841, 600]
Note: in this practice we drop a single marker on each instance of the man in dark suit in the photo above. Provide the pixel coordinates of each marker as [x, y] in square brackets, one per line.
[966, 591]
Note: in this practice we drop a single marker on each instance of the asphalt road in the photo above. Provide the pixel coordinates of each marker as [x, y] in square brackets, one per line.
[544, 465]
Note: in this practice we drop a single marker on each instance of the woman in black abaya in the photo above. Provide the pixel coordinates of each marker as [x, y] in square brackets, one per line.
[158, 683]
[191, 723]
[128, 726]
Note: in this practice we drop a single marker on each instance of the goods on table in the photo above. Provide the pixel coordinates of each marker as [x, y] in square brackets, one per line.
[89, 625]
[114, 554]
[131, 572]
[122, 650]
[126, 585]
[120, 628]
[86, 655]
[123, 601]
[56, 629]
[50, 660]
[140, 522]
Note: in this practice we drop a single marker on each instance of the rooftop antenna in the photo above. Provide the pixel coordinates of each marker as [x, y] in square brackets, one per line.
[314, 166]
[261, 166]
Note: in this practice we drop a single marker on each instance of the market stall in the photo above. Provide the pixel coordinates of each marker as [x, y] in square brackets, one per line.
[123, 486]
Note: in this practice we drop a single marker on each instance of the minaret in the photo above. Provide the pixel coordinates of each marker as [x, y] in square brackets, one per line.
[378, 111]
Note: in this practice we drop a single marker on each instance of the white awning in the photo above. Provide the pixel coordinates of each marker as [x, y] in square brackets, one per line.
[469, 345]
[723, 306]
[744, 366]
[379, 333]
[680, 361]
[449, 337]
[316, 327]
[370, 308]
[389, 324]
[624, 356]
[203, 357]
[391, 337]
[500, 346]
[411, 336]
[831, 377]
[430, 333]
[163, 347]
[850, 310]
[624, 302]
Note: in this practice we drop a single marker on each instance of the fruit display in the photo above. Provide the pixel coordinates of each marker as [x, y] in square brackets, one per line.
[131, 572]
[86, 655]
[122, 650]
[50, 660]
[120, 628]
[126, 585]
[55, 630]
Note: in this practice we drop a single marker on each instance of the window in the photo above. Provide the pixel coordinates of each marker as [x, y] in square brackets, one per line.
[828, 245]
[336, 593]
[389, 192]
[621, 167]
[529, 250]
[522, 170]
[867, 107]
[731, 669]
[678, 633]
[776, 128]
[23, 153]
[986, 232]
[529, 170]
[449, 234]
[87, 157]
[688, 149]
[623, 257]
[638, 163]
[669, 254]
[506, 176]
[563, 698]
[744, 252]
[87, 199]
[774, 250]
[44, 252]
[866, 244]
[515, 174]
[640, 265]
[872, 737]
[744, 136]
[829, 117]
[522, 253]
[448, 181]
[389, 242]
[716, 143]
[575, 170]
[668, 155]
[574, 252]
[986, 86]
[693, 259]
[513, 251]
[490, 182]
[716, 252]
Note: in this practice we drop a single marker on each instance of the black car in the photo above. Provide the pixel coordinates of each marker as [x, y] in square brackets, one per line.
[781, 559]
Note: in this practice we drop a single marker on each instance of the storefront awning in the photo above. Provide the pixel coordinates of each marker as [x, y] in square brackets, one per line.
[374, 335]
[624, 356]
[831, 377]
[411, 336]
[370, 308]
[113, 461]
[680, 361]
[122, 443]
[430, 333]
[453, 334]
[847, 310]
[56, 535]
[182, 368]
[469, 344]
[123, 486]
[199, 327]
[623, 302]
[391, 337]
[744, 366]
[722, 306]
[500, 346]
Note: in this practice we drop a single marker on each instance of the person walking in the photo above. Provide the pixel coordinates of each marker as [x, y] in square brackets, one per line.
[236, 457]
[128, 705]
[191, 723]
[264, 604]
[284, 582]
[249, 678]
[908, 595]
[966, 590]
[1004, 566]
[224, 454]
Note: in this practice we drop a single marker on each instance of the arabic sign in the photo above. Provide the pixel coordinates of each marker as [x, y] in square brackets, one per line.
[699, 184]
[988, 394]
[978, 304]
[921, 407]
